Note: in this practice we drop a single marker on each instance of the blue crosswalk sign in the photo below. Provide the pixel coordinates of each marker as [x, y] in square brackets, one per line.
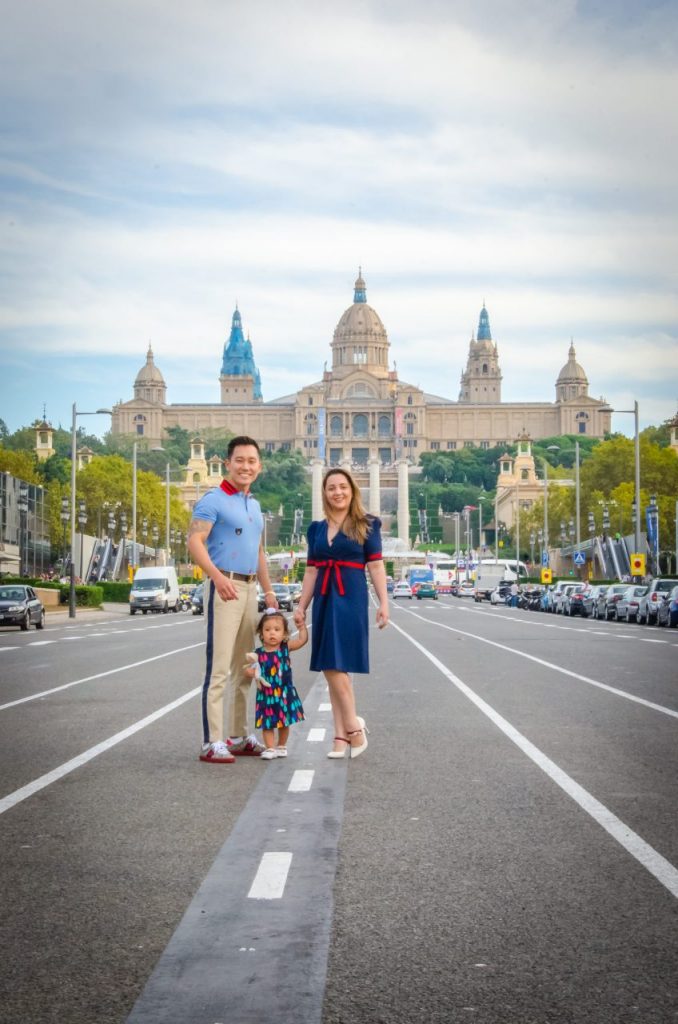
[545, 559]
[579, 558]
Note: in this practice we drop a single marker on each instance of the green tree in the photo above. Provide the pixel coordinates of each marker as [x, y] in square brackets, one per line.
[21, 464]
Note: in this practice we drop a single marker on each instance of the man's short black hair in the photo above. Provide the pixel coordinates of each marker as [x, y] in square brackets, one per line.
[238, 442]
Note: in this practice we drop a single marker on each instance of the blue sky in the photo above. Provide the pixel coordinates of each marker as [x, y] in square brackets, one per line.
[159, 162]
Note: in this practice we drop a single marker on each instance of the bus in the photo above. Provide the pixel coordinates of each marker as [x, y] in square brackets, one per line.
[446, 571]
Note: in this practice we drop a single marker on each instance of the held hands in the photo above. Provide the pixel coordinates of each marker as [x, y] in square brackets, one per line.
[299, 618]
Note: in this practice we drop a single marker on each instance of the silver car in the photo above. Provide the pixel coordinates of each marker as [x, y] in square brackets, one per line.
[628, 605]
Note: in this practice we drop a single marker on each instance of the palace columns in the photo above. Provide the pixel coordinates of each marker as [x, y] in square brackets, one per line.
[375, 503]
[403, 502]
[317, 468]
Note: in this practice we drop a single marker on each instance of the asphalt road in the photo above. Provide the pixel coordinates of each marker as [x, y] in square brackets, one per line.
[505, 852]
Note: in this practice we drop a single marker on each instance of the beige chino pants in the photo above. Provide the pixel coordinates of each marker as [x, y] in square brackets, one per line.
[230, 635]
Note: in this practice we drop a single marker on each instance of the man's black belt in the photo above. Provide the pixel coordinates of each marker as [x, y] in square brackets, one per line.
[244, 577]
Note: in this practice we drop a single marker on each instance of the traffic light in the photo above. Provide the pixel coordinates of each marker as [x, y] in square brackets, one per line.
[637, 565]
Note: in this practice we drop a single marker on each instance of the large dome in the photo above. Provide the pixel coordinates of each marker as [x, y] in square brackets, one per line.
[149, 372]
[360, 322]
[572, 371]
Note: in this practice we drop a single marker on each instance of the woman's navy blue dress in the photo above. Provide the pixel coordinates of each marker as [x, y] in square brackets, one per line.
[340, 615]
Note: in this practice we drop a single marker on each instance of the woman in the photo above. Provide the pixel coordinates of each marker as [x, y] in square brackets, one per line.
[339, 548]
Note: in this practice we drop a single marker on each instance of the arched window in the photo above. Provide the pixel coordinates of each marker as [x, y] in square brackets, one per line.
[360, 425]
[384, 428]
[524, 475]
[336, 426]
[484, 367]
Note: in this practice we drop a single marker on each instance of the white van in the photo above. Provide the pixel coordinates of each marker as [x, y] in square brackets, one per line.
[155, 589]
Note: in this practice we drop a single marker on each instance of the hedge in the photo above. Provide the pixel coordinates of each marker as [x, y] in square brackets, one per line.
[115, 591]
[85, 597]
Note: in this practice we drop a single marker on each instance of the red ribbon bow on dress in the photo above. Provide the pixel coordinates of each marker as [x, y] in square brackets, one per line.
[337, 565]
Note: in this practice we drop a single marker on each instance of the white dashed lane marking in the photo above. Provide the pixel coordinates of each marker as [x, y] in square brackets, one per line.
[316, 735]
[269, 881]
[301, 781]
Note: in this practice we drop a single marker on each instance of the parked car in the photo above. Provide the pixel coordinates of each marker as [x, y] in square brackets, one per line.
[427, 589]
[561, 596]
[627, 607]
[466, 588]
[667, 609]
[592, 597]
[553, 593]
[649, 602]
[613, 596]
[573, 601]
[402, 589]
[283, 596]
[197, 599]
[295, 590]
[20, 606]
[500, 594]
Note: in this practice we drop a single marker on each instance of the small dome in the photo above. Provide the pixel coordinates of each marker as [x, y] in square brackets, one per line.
[572, 371]
[149, 372]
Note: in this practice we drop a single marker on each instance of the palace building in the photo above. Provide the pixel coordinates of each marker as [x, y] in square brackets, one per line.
[359, 411]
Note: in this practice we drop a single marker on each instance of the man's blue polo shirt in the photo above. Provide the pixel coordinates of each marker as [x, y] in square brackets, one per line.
[233, 541]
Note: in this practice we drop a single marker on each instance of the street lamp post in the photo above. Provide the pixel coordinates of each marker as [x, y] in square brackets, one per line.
[65, 516]
[74, 442]
[123, 537]
[22, 505]
[532, 540]
[155, 533]
[82, 519]
[481, 499]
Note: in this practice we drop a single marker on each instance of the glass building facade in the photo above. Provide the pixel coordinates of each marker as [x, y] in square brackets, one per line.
[24, 528]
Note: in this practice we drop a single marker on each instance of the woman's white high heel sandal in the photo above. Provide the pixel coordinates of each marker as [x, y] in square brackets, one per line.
[336, 754]
[357, 751]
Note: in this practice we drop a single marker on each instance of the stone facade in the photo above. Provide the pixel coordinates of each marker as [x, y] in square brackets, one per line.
[360, 411]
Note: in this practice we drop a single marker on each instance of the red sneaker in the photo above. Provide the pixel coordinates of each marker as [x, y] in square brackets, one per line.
[246, 746]
[216, 753]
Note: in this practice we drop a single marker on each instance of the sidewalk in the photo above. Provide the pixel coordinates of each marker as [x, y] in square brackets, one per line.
[107, 608]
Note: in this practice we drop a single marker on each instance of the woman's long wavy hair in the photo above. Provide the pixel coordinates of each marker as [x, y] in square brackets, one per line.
[357, 522]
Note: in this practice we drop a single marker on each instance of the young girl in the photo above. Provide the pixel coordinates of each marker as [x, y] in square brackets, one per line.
[278, 705]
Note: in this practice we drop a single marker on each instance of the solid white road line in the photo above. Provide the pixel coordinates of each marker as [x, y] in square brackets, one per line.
[269, 881]
[40, 643]
[99, 675]
[551, 665]
[301, 781]
[316, 735]
[658, 866]
[77, 762]
[324, 707]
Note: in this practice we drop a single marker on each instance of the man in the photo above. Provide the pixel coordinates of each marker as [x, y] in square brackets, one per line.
[225, 541]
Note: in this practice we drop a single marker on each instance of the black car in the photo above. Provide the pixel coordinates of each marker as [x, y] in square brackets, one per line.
[197, 599]
[283, 596]
[21, 606]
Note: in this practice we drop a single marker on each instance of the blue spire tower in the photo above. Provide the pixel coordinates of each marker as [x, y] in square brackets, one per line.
[240, 379]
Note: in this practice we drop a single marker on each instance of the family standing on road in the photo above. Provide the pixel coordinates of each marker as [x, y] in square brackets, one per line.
[225, 541]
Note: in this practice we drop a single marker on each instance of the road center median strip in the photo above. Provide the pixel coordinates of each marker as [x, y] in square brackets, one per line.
[658, 866]
[99, 675]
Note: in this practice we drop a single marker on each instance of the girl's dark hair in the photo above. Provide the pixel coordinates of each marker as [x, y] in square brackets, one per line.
[267, 616]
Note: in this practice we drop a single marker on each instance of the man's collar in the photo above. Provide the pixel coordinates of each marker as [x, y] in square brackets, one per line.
[228, 488]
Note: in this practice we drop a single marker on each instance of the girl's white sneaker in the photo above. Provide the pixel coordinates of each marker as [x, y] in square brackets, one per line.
[281, 752]
[269, 754]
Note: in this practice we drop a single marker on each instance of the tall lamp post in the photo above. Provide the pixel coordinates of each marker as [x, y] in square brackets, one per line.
[82, 520]
[636, 450]
[155, 533]
[481, 499]
[74, 443]
[123, 537]
[22, 505]
[65, 516]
